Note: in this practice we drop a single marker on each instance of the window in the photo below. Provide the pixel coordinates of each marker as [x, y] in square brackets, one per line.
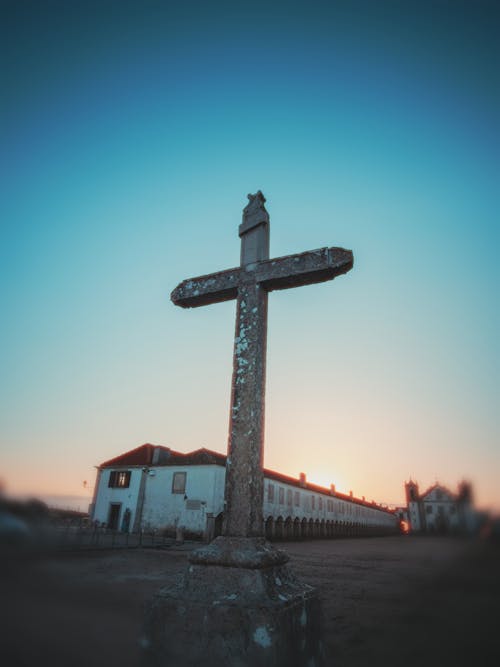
[313, 502]
[320, 503]
[428, 509]
[289, 497]
[270, 493]
[282, 496]
[296, 498]
[119, 479]
[179, 482]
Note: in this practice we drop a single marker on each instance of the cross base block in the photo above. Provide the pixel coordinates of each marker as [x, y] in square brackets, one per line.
[234, 616]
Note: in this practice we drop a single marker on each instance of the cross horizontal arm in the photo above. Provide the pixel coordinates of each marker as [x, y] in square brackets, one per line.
[204, 290]
[305, 268]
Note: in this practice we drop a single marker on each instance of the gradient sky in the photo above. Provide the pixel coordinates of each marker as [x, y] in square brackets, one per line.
[131, 133]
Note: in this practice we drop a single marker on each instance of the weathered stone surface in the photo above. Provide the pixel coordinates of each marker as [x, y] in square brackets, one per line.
[234, 617]
[246, 552]
[244, 489]
[204, 290]
[305, 268]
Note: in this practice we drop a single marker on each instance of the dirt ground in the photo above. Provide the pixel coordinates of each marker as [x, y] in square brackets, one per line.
[409, 601]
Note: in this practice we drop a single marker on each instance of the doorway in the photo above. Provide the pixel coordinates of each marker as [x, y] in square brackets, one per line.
[114, 515]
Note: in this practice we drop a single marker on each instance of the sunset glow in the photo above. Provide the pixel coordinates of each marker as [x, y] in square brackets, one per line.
[130, 141]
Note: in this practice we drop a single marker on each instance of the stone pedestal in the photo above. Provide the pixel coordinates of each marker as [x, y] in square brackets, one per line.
[237, 605]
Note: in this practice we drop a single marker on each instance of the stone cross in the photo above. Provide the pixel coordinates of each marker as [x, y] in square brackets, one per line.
[250, 284]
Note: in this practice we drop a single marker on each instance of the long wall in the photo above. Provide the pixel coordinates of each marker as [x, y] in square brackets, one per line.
[293, 509]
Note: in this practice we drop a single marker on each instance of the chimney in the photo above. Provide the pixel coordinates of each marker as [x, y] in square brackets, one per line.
[332, 489]
[302, 479]
[350, 493]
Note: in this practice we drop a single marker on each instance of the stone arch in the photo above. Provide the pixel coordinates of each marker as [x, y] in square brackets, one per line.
[296, 529]
[310, 529]
[279, 528]
[269, 528]
[322, 529]
[303, 529]
[288, 528]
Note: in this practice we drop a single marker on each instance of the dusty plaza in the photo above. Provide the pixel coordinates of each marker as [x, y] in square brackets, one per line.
[386, 601]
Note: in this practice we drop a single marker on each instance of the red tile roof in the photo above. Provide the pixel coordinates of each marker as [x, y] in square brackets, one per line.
[139, 456]
[145, 454]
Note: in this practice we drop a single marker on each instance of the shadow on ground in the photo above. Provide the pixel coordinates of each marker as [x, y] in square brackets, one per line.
[386, 601]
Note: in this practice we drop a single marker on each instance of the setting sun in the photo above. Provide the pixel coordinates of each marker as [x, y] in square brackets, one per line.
[325, 479]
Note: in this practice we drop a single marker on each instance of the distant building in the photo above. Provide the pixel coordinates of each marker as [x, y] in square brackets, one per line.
[155, 488]
[438, 510]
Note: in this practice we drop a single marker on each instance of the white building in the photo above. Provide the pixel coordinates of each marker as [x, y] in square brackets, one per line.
[439, 510]
[155, 488]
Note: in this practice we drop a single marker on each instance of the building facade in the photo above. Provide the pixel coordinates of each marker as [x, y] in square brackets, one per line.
[438, 510]
[155, 488]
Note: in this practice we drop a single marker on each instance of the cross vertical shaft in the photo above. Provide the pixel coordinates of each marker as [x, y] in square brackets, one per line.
[243, 495]
[244, 474]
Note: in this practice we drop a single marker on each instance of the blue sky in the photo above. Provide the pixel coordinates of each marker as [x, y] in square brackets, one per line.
[131, 134]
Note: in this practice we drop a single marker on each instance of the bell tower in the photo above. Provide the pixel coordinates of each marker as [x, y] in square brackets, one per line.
[413, 505]
[411, 490]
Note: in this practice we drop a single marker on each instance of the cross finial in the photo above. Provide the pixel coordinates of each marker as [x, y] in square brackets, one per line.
[254, 213]
[254, 230]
